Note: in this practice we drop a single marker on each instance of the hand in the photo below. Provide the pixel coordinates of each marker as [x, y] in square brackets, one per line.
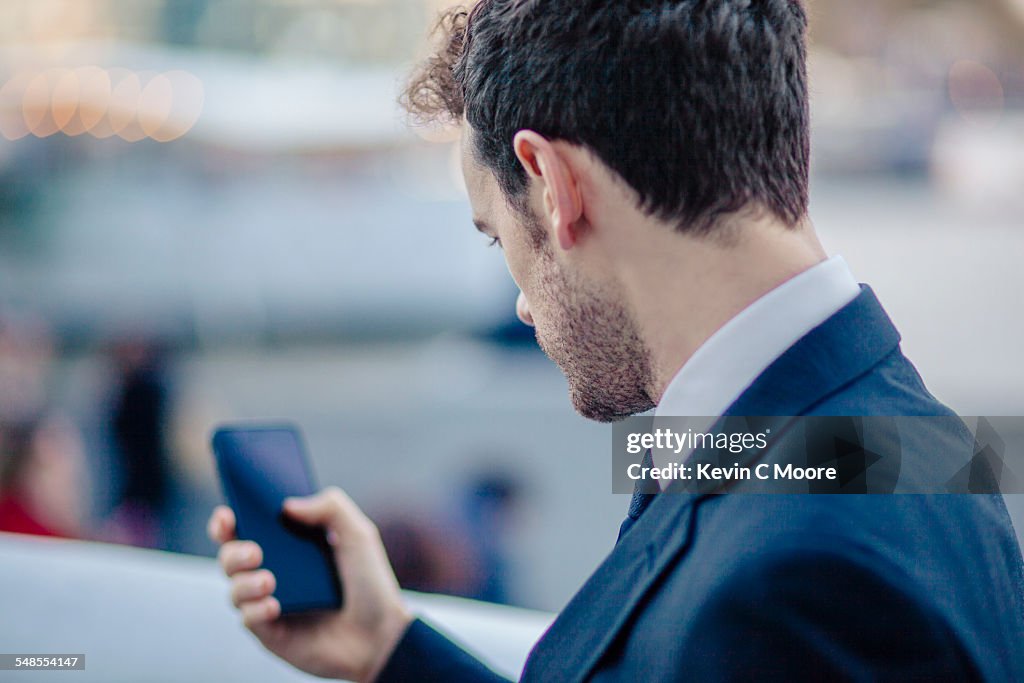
[353, 643]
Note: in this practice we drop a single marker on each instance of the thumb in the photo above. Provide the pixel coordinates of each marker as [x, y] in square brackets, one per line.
[331, 508]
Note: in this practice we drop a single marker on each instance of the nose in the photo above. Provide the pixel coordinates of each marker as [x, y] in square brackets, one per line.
[523, 310]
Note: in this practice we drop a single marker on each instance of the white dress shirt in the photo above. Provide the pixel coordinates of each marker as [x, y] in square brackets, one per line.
[734, 356]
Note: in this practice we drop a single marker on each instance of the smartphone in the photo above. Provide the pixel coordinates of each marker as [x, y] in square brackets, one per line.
[259, 467]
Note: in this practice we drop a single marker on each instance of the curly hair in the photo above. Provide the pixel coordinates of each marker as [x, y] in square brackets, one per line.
[433, 95]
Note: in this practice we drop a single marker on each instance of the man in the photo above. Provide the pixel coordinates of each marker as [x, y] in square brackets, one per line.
[644, 167]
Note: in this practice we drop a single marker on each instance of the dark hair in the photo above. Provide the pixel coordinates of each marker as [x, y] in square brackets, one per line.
[699, 105]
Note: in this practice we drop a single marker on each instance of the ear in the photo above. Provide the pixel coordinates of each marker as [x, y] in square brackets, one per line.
[562, 203]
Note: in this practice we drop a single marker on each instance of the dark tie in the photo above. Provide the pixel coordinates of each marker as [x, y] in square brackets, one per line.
[643, 493]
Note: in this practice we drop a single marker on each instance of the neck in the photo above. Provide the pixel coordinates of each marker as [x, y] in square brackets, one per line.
[682, 289]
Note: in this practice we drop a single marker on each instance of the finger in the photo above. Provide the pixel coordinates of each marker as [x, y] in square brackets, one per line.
[251, 586]
[239, 556]
[260, 612]
[221, 527]
[331, 508]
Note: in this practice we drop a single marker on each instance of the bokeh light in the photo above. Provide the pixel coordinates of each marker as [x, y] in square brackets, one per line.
[64, 99]
[155, 102]
[12, 119]
[125, 98]
[185, 104]
[93, 100]
[100, 102]
[36, 104]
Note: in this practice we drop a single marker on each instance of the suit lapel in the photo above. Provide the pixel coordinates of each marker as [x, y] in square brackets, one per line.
[591, 620]
[844, 347]
[835, 353]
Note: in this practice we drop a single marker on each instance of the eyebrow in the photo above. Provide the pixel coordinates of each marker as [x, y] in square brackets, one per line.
[481, 226]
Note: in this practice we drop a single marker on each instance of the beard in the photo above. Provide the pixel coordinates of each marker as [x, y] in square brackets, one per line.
[589, 333]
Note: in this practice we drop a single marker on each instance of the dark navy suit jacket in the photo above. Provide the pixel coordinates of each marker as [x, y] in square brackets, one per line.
[791, 587]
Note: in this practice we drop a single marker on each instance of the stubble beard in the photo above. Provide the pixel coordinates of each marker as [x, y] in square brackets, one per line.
[590, 334]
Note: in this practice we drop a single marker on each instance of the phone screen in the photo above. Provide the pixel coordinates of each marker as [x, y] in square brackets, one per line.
[260, 467]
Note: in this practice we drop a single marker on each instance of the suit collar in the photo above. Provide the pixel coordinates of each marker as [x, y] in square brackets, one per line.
[718, 372]
[844, 347]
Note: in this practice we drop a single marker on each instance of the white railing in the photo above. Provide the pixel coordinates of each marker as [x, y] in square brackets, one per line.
[143, 615]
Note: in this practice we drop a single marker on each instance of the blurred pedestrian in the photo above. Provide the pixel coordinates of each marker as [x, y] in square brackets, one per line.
[138, 424]
[489, 509]
[26, 353]
[43, 487]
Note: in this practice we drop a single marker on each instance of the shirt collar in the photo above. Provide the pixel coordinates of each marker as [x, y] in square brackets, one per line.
[733, 357]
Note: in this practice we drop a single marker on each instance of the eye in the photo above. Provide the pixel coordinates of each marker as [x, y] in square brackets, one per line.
[494, 242]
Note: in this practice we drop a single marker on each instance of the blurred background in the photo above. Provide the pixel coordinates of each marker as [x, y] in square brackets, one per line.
[213, 210]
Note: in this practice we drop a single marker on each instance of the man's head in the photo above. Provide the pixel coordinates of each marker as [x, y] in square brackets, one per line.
[582, 120]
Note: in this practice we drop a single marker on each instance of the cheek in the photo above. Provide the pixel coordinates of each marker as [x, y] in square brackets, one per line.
[528, 265]
[532, 273]
[518, 265]
[516, 268]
